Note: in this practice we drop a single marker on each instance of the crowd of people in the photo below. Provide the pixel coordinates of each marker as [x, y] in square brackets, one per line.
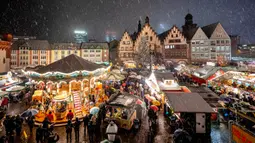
[91, 123]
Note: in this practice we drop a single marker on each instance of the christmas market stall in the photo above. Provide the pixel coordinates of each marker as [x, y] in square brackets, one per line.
[121, 107]
[190, 108]
[202, 75]
[70, 84]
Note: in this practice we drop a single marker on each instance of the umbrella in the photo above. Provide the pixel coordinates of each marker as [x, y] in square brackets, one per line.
[154, 108]
[153, 98]
[133, 73]
[148, 97]
[15, 88]
[3, 93]
[29, 83]
[139, 102]
[94, 110]
[155, 102]
[29, 112]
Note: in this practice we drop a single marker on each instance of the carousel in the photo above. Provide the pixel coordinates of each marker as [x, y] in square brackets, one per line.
[70, 84]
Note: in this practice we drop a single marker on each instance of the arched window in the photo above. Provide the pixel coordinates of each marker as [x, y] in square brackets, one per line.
[4, 60]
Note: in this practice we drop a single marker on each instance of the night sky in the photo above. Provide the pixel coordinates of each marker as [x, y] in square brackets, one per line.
[55, 20]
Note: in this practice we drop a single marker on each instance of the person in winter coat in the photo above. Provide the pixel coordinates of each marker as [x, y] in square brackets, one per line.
[77, 129]
[45, 127]
[85, 122]
[70, 115]
[31, 124]
[91, 132]
[69, 130]
[39, 134]
[6, 125]
[11, 125]
[18, 122]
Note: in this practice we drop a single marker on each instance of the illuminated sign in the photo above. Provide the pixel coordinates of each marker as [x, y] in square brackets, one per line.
[241, 136]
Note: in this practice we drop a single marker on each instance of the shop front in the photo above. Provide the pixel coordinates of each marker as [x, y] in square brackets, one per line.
[182, 106]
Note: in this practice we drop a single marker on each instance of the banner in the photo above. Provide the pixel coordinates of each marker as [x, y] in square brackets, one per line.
[241, 136]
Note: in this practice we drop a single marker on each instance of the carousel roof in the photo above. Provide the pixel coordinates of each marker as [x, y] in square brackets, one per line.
[188, 102]
[69, 64]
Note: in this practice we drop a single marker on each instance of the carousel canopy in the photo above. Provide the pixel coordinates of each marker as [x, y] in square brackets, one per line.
[188, 102]
[69, 64]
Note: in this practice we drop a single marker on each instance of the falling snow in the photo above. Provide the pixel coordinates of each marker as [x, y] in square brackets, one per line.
[55, 20]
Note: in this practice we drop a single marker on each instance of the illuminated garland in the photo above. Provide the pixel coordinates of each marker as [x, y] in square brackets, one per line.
[60, 75]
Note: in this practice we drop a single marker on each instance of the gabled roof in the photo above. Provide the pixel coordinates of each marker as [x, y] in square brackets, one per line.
[36, 44]
[153, 31]
[209, 29]
[189, 35]
[188, 102]
[17, 44]
[69, 64]
[94, 45]
[127, 34]
[163, 35]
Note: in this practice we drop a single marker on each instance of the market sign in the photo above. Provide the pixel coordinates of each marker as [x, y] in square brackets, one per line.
[241, 136]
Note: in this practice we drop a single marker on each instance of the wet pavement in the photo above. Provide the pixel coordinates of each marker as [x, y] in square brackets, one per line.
[219, 133]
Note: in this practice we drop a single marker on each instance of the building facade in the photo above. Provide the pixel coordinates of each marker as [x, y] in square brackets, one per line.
[80, 36]
[126, 48]
[207, 44]
[199, 46]
[235, 42]
[220, 42]
[129, 45]
[5, 56]
[95, 51]
[30, 53]
[61, 50]
[175, 46]
[40, 52]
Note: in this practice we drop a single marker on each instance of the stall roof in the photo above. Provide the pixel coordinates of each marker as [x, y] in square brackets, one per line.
[69, 64]
[123, 99]
[188, 102]
[164, 75]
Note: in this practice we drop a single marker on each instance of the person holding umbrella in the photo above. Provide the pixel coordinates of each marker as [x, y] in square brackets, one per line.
[31, 123]
[85, 121]
[39, 134]
[18, 122]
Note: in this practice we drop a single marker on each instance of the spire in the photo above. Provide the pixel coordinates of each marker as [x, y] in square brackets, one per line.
[188, 19]
[139, 26]
[147, 20]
